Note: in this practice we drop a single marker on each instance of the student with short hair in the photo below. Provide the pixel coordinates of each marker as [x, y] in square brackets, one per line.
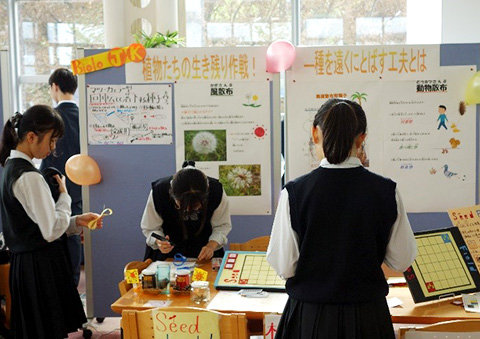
[333, 229]
[63, 85]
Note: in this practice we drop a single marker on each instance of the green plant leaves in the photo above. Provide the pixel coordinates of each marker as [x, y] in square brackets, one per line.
[158, 39]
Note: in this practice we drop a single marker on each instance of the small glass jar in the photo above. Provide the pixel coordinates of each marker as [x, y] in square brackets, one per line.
[200, 292]
[149, 280]
[182, 280]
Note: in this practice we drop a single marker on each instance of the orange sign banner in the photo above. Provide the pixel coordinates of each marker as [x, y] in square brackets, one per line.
[115, 57]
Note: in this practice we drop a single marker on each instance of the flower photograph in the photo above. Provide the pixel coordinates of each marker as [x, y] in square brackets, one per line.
[240, 180]
[210, 145]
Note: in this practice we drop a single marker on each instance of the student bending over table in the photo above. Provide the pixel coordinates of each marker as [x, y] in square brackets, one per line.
[191, 212]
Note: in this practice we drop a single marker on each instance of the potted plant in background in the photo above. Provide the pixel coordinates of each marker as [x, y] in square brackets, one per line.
[158, 39]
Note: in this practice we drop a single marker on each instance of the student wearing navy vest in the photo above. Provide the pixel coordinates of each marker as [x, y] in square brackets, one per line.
[191, 211]
[333, 229]
[45, 301]
[63, 85]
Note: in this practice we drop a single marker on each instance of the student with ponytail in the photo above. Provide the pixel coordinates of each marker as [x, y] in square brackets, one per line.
[191, 211]
[45, 300]
[333, 229]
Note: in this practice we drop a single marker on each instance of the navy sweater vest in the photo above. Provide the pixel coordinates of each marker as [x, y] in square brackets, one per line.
[343, 218]
[21, 233]
[165, 207]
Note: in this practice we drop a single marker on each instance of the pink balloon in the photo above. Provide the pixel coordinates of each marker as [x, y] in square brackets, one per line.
[280, 56]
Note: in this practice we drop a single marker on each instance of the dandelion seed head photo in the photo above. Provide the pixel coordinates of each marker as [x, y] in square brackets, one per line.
[204, 143]
[240, 177]
[241, 180]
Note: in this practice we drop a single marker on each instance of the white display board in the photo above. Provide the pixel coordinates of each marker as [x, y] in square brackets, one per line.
[405, 141]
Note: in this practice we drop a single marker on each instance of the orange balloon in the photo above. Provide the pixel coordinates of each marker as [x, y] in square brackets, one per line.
[82, 170]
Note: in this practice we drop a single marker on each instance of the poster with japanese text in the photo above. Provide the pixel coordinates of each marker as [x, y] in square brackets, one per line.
[222, 116]
[129, 114]
[225, 128]
[197, 64]
[418, 134]
[430, 140]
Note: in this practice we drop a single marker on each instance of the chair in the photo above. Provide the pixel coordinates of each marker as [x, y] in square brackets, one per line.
[455, 326]
[123, 286]
[255, 244]
[139, 324]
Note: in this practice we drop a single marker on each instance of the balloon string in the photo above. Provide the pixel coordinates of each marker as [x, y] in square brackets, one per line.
[93, 224]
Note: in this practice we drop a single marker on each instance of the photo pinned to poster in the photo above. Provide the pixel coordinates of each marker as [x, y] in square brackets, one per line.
[206, 145]
[241, 180]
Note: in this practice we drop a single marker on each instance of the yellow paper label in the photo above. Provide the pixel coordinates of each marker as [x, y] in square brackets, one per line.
[131, 276]
[199, 274]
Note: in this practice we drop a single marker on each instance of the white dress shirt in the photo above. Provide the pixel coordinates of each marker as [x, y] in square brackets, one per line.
[283, 251]
[221, 222]
[33, 193]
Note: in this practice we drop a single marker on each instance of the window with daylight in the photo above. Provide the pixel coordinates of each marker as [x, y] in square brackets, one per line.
[49, 32]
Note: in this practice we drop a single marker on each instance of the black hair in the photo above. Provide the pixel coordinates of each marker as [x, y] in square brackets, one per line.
[64, 79]
[340, 121]
[189, 186]
[39, 119]
[442, 106]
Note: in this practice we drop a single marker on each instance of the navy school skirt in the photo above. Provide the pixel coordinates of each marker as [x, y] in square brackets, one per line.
[302, 320]
[45, 300]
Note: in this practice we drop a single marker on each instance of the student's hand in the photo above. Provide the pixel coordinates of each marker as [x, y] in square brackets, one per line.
[164, 246]
[62, 186]
[84, 219]
[207, 251]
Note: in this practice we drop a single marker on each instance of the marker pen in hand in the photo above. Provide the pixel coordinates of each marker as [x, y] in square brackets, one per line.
[159, 237]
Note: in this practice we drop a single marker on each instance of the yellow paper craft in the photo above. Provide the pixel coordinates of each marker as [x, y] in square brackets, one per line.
[93, 224]
[131, 276]
[199, 274]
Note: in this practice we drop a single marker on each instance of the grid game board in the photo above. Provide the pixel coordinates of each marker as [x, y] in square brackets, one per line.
[242, 269]
[443, 267]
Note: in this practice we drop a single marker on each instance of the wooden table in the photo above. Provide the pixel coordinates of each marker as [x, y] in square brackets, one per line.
[135, 298]
[408, 312]
[426, 312]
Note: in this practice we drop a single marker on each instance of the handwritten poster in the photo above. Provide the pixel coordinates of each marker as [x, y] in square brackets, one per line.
[129, 114]
[225, 128]
[185, 325]
[419, 133]
[467, 219]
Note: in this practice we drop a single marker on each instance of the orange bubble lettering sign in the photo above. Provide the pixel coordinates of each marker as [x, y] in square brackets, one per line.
[185, 325]
[116, 57]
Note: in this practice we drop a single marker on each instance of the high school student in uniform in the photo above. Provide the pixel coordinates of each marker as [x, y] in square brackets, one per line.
[333, 229]
[45, 300]
[191, 211]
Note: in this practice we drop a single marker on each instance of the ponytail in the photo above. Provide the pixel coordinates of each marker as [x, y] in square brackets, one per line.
[9, 137]
[39, 119]
[340, 121]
